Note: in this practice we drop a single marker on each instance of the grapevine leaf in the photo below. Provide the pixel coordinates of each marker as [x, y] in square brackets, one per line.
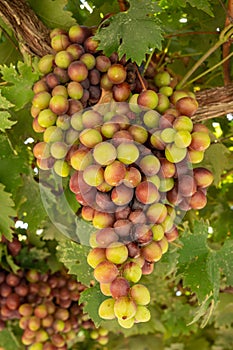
[7, 213]
[74, 257]
[5, 123]
[92, 298]
[193, 261]
[29, 203]
[203, 5]
[8, 341]
[33, 258]
[19, 80]
[17, 161]
[52, 13]
[224, 310]
[133, 33]
[225, 262]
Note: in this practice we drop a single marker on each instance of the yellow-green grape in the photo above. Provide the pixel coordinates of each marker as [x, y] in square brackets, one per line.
[124, 308]
[166, 184]
[127, 153]
[106, 309]
[53, 134]
[132, 271]
[168, 135]
[175, 154]
[182, 138]
[128, 323]
[164, 245]
[90, 137]
[96, 256]
[46, 118]
[158, 232]
[142, 314]
[151, 119]
[183, 123]
[104, 153]
[117, 253]
[61, 168]
[140, 294]
[93, 175]
[81, 159]
[133, 105]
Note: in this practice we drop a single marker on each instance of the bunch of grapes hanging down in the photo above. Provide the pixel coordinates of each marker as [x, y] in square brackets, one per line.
[46, 305]
[130, 161]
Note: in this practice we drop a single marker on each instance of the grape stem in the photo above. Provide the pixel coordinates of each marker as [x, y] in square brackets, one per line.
[223, 37]
[148, 61]
[140, 79]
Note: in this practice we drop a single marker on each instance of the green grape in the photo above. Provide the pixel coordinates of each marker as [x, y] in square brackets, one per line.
[163, 243]
[128, 323]
[117, 253]
[183, 123]
[139, 133]
[96, 256]
[133, 105]
[102, 219]
[106, 309]
[166, 90]
[76, 121]
[182, 138]
[162, 79]
[148, 99]
[154, 179]
[142, 314]
[53, 134]
[89, 60]
[151, 119]
[93, 175]
[140, 294]
[166, 184]
[116, 73]
[167, 135]
[104, 153]
[163, 103]
[41, 100]
[45, 64]
[63, 59]
[149, 165]
[75, 90]
[61, 168]
[63, 122]
[47, 118]
[175, 154]
[127, 153]
[125, 308]
[132, 271]
[158, 232]
[156, 213]
[58, 150]
[90, 137]
[81, 159]
[195, 157]
[92, 119]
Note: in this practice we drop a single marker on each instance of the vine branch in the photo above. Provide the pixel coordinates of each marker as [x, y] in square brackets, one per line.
[227, 45]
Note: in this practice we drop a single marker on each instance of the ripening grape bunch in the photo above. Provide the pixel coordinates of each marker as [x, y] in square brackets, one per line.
[46, 306]
[132, 162]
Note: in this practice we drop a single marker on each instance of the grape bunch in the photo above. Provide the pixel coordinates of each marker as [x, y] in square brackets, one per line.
[131, 162]
[47, 307]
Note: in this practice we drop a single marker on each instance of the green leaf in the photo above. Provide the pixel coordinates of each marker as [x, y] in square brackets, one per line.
[74, 257]
[29, 204]
[7, 213]
[132, 33]
[92, 298]
[8, 341]
[225, 261]
[5, 123]
[34, 258]
[203, 5]
[52, 13]
[20, 80]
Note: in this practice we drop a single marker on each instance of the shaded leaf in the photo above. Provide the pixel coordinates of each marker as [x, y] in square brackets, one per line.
[52, 13]
[7, 213]
[92, 298]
